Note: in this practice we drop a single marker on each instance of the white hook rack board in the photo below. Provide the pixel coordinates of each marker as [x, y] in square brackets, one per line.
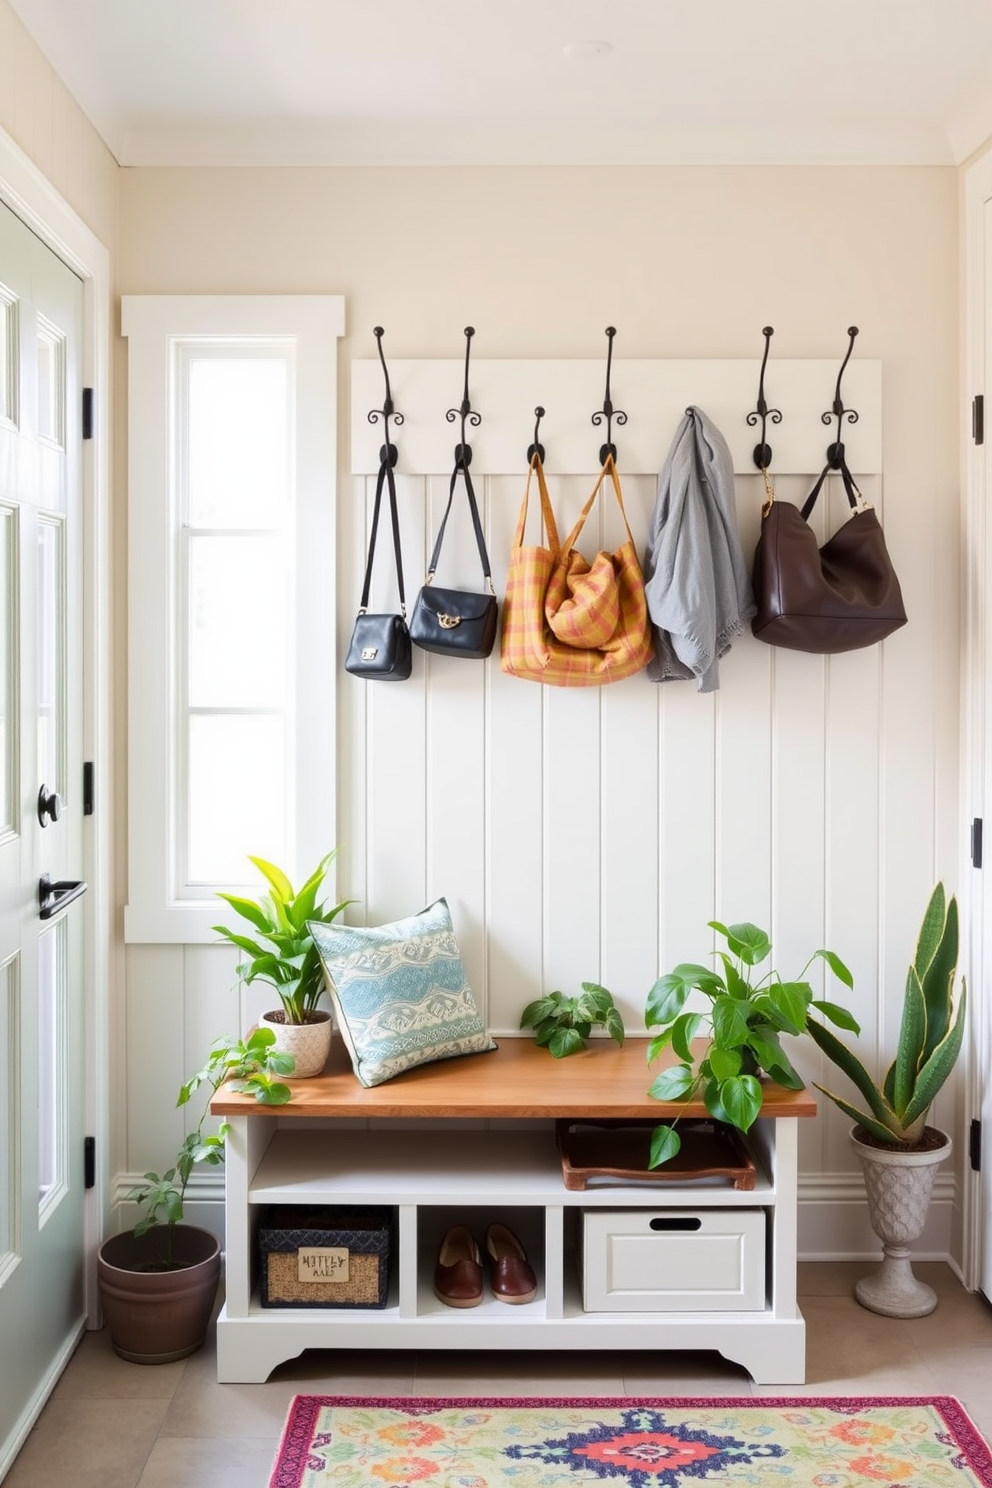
[653, 394]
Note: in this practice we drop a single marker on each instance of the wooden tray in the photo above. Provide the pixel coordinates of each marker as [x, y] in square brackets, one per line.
[618, 1152]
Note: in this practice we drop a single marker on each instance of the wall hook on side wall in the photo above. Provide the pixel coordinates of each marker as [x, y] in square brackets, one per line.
[608, 411]
[388, 410]
[762, 450]
[835, 452]
[463, 451]
[536, 448]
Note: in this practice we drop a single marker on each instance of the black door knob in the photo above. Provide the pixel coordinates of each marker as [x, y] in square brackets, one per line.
[49, 804]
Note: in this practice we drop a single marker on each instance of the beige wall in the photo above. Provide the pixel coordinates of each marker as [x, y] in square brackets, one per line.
[48, 125]
[685, 262]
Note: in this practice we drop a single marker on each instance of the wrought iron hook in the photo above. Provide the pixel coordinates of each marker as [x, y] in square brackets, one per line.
[536, 448]
[463, 451]
[608, 411]
[387, 411]
[835, 452]
[762, 451]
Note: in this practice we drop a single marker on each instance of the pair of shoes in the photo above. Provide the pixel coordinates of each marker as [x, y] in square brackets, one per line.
[458, 1272]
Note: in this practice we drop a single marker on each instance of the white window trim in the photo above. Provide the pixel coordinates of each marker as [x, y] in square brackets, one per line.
[150, 323]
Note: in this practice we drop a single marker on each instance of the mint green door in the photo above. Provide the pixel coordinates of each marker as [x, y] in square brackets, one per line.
[42, 1037]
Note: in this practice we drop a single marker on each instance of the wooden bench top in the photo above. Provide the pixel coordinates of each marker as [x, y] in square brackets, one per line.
[516, 1080]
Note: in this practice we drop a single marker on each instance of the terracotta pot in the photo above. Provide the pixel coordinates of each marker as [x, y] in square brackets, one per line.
[309, 1043]
[898, 1185]
[156, 1316]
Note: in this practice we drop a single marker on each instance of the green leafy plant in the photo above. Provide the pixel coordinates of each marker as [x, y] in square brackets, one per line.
[562, 1024]
[288, 958]
[930, 1037]
[743, 1022]
[252, 1066]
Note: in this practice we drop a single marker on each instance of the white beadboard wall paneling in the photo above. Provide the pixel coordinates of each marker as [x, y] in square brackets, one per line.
[157, 1011]
[653, 394]
[212, 1007]
[457, 701]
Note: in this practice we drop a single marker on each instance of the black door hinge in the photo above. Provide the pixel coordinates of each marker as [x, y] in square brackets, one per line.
[975, 1146]
[89, 1162]
[976, 842]
[978, 419]
[87, 413]
[88, 788]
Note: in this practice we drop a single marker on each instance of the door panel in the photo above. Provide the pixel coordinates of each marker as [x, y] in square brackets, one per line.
[41, 986]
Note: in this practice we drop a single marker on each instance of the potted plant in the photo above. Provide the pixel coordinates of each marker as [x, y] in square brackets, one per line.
[899, 1153]
[286, 957]
[158, 1281]
[744, 1023]
[562, 1024]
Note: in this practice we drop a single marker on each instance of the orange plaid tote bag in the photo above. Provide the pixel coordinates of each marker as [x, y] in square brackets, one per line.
[567, 622]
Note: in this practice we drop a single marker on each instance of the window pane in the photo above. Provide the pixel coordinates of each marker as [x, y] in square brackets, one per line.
[238, 454]
[238, 624]
[8, 721]
[50, 611]
[51, 383]
[237, 795]
[8, 355]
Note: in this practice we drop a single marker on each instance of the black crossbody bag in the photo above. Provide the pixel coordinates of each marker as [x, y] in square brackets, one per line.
[457, 622]
[380, 648]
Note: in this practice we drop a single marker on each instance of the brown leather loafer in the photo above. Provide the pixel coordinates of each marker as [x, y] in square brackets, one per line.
[458, 1273]
[513, 1278]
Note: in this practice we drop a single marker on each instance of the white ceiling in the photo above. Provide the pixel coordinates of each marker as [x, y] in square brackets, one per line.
[449, 81]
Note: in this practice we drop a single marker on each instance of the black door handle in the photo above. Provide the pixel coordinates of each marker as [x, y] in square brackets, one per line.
[55, 896]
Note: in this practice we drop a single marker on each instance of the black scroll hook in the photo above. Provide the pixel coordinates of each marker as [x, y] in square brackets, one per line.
[536, 448]
[762, 450]
[608, 411]
[463, 451]
[387, 411]
[835, 452]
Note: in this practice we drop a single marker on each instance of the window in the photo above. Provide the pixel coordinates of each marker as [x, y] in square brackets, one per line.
[231, 474]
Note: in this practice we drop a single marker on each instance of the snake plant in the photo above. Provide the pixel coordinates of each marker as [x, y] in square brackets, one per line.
[288, 959]
[929, 1038]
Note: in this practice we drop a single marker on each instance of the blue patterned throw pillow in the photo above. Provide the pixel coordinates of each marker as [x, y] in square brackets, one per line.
[400, 993]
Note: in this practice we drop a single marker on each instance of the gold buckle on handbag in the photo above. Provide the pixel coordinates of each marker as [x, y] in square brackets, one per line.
[448, 622]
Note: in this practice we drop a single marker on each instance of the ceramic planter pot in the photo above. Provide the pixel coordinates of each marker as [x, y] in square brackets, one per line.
[309, 1043]
[898, 1185]
[156, 1316]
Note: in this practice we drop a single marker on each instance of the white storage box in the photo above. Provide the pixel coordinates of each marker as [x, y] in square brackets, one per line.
[673, 1260]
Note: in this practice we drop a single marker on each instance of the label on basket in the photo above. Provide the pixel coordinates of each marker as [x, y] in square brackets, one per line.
[322, 1263]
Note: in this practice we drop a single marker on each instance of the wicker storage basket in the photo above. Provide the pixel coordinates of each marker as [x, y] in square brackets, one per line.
[324, 1257]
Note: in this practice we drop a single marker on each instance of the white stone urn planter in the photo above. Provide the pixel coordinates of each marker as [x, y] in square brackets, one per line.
[309, 1043]
[898, 1185]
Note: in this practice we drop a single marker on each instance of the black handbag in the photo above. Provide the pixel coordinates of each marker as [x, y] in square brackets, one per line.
[380, 644]
[457, 622]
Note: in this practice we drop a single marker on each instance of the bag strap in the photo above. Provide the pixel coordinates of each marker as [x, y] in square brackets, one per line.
[476, 523]
[609, 468]
[385, 475]
[547, 514]
[855, 499]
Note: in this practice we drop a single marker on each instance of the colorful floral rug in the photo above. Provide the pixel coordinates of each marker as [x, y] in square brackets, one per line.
[901, 1442]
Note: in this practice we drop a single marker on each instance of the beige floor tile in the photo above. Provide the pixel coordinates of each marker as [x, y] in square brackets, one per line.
[966, 1373]
[829, 1278]
[518, 1373]
[851, 1351]
[199, 1462]
[88, 1444]
[96, 1372]
[349, 1372]
[688, 1374]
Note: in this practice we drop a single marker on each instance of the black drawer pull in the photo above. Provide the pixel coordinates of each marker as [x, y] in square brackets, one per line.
[676, 1222]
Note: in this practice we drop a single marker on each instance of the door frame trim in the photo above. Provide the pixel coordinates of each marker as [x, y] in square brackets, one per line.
[31, 196]
[976, 191]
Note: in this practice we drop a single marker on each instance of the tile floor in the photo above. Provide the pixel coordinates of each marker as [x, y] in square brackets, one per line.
[110, 1424]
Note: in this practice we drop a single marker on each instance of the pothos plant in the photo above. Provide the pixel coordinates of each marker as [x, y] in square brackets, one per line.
[743, 1023]
[562, 1024]
[252, 1066]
